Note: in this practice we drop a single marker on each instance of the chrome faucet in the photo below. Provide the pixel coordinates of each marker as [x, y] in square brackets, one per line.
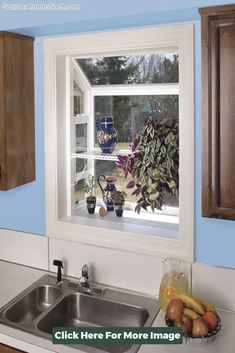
[84, 283]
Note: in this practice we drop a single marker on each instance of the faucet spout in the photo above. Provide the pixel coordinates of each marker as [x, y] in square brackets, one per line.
[85, 270]
[84, 278]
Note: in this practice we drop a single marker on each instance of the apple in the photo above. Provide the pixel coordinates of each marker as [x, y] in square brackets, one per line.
[174, 309]
[211, 320]
[200, 327]
[185, 323]
[102, 212]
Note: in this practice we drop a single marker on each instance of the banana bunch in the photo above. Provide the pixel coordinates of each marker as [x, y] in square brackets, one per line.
[194, 307]
[207, 306]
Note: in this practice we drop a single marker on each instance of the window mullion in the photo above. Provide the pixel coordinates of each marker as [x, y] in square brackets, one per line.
[132, 90]
[90, 135]
[70, 135]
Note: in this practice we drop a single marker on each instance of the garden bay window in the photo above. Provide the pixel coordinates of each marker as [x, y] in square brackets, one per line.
[129, 89]
[142, 81]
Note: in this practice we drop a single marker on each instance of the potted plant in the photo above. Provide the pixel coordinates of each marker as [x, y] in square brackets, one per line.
[118, 198]
[153, 163]
[89, 189]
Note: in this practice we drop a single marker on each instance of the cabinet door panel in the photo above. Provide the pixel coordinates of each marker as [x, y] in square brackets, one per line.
[19, 110]
[227, 117]
[218, 112]
[2, 122]
[17, 135]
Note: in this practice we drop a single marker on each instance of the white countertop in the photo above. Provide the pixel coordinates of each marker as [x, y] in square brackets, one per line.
[15, 278]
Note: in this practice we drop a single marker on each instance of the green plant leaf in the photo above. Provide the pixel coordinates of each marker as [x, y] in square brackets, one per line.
[156, 162]
[138, 208]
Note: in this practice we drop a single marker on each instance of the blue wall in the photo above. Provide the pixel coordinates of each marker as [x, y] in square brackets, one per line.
[23, 208]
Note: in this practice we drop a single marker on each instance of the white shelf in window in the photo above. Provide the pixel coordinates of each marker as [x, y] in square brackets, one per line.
[97, 155]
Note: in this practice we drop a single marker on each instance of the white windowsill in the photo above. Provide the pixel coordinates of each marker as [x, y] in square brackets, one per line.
[165, 226]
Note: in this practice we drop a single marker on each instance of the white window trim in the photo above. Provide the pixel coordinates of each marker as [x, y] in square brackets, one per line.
[114, 43]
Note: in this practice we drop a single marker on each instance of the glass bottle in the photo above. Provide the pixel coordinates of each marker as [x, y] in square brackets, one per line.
[173, 282]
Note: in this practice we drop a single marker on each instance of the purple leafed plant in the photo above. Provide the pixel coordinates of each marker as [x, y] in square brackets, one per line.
[153, 163]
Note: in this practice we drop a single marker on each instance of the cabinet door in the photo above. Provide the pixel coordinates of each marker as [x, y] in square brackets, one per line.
[218, 112]
[2, 122]
[17, 135]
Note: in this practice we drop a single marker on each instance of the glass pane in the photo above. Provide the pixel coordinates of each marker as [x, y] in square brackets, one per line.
[81, 165]
[81, 138]
[79, 194]
[130, 113]
[129, 69]
[78, 97]
[81, 174]
[110, 168]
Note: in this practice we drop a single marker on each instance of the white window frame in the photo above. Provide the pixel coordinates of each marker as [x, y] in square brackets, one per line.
[153, 39]
[94, 153]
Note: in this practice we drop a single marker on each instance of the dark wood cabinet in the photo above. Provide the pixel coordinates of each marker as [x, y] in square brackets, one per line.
[218, 111]
[8, 349]
[17, 135]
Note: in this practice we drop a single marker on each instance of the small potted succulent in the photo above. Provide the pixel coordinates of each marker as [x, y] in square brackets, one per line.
[89, 189]
[118, 198]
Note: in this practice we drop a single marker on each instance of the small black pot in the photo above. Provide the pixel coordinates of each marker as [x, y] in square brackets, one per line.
[110, 206]
[119, 206]
[91, 203]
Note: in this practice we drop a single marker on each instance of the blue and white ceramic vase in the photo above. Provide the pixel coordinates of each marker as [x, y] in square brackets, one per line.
[106, 134]
[108, 190]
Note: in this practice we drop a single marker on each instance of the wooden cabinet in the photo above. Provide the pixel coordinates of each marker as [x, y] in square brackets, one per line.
[8, 349]
[17, 140]
[218, 111]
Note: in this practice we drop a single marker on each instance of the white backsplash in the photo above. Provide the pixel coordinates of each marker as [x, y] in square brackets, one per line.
[24, 248]
[214, 284]
[127, 270]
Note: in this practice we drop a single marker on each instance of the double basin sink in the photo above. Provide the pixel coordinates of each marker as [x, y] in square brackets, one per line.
[45, 305]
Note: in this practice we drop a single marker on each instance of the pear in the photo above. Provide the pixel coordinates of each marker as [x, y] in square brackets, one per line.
[200, 327]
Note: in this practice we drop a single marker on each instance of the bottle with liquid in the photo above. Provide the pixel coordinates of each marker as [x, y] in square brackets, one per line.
[173, 282]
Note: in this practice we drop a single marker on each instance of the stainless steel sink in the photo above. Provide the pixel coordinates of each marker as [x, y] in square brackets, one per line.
[45, 305]
[33, 304]
[79, 310]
